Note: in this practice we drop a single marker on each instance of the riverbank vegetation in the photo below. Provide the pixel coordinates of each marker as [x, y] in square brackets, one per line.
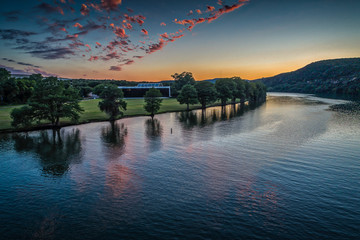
[51, 100]
[191, 92]
[92, 113]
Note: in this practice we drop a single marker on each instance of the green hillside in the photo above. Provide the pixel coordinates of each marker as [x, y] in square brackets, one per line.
[341, 76]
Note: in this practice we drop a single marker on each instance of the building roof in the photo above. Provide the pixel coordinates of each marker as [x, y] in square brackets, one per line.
[150, 85]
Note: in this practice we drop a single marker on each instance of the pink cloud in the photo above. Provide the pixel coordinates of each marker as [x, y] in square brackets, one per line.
[78, 25]
[115, 68]
[139, 19]
[156, 46]
[128, 62]
[89, 48]
[84, 10]
[144, 31]
[120, 32]
[210, 8]
[110, 4]
[93, 58]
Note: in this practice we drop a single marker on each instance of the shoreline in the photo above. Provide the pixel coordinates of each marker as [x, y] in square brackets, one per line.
[49, 127]
[332, 107]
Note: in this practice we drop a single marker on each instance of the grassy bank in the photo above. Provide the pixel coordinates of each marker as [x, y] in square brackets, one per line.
[92, 112]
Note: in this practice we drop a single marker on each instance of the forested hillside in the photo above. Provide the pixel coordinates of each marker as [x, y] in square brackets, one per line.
[328, 76]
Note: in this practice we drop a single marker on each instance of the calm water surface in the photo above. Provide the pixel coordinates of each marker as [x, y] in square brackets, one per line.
[285, 170]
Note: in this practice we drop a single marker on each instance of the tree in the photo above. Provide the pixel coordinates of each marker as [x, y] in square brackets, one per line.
[50, 101]
[10, 90]
[112, 103]
[225, 88]
[85, 91]
[22, 116]
[182, 79]
[239, 91]
[25, 88]
[152, 101]
[188, 95]
[206, 93]
[100, 88]
[4, 76]
[249, 91]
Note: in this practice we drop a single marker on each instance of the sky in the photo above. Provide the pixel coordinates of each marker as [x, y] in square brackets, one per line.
[145, 40]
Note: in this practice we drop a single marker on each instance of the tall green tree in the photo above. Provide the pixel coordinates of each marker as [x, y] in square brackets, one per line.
[25, 88]
[50, 101]
[239, 91]
[4, 76]
[112, 103]
[188, 95]
[152, 101]
[249, 91]
[85, 91]
[183, 79]
[98, 89]
[225, 88]
[206, 93]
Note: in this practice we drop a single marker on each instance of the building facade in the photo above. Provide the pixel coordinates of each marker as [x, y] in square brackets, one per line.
[142, 88]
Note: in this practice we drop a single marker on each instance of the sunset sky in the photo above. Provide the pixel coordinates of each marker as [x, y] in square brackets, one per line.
[144, 40]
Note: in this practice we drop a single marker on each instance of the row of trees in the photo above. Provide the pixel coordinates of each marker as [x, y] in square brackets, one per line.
[16, 90]
[50, 101]
[53, 99]
[19, 90]
[114, 105]
[191, 92]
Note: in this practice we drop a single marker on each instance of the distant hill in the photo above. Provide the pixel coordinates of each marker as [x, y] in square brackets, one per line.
[328, 76]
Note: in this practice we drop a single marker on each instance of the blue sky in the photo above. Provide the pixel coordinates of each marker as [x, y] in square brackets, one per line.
[150, 40]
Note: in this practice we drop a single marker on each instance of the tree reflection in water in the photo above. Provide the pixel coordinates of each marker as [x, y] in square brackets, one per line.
[211, 115]
[56, 151]
[153, 132]
[188, 119]
[114, 135]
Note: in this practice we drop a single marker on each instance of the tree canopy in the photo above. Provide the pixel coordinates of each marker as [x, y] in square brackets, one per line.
[50, 101]
[182, 79]
[239, 91]
[15, 90]
[225, 88]
[188, 95]
[112, 103]
[152, 101]
[206, 92]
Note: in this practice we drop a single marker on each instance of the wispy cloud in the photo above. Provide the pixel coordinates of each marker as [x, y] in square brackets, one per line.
[65, 27]
[20, 63]
[27, 71]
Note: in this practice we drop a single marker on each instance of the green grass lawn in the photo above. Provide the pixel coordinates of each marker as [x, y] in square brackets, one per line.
[92, 112]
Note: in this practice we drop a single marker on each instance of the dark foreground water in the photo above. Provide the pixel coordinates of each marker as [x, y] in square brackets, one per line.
[286, 170]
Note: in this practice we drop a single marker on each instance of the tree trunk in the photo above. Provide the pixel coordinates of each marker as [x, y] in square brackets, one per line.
[187, 107]
[152, 116]
[203, 105]
[57, 121]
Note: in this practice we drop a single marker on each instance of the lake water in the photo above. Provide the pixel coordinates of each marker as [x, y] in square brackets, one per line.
[288, 169]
